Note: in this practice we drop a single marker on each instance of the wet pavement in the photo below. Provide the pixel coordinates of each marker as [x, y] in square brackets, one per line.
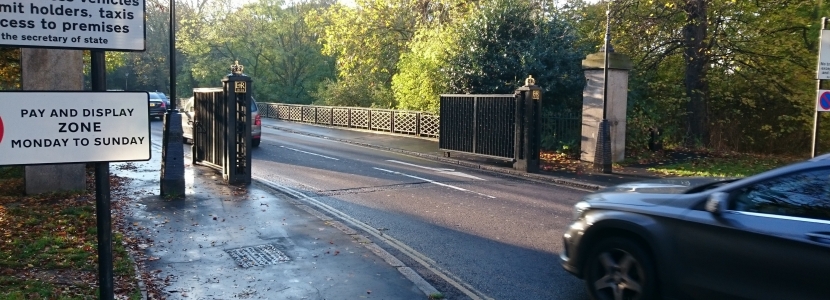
[254, 242]
[226, 242]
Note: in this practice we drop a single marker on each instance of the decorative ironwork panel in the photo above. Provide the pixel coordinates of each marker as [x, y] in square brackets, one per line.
[323, 114]
[429, 125]
[495, 125]
[381, 120]
[360, 118]
[269, 109]
[457, 127]
[479, 124]
[261, 107]
[295, 113]
[406, 122]
[283, 112]
[308, 114]
[341, 116]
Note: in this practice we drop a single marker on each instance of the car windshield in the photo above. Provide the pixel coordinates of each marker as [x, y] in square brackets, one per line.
[155, 96]
[253, 105]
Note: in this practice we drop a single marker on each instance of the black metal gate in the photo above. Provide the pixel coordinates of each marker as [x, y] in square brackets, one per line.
[222, 128]
[499, 126]
[479, 124]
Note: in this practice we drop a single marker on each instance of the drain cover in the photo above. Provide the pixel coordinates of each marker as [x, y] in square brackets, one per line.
[257, 256]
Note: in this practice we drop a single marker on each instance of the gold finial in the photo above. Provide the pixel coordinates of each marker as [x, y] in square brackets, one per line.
[236, 68]
[530, 81]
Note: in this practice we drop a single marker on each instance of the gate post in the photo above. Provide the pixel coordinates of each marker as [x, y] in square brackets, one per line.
[237, 89]
[528, 126]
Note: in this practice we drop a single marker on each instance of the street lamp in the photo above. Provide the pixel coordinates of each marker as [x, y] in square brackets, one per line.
[602, 157]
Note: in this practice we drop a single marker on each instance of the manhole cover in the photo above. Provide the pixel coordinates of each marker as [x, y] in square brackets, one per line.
[257, 256]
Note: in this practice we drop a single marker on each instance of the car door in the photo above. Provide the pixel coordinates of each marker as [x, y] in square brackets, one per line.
[773, 242]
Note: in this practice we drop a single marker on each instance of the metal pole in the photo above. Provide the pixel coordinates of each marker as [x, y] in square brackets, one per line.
[172, 106]
[605, 67]
[602, 155]
[102, 193]
[172, 159]
[817, 115]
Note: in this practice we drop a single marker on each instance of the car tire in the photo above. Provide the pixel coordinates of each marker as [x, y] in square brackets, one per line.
[620, 268]
[254, 143]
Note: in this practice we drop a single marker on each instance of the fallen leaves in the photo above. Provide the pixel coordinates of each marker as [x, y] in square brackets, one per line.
[49, 248]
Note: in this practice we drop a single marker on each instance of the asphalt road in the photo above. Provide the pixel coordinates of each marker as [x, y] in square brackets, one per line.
[480, 234]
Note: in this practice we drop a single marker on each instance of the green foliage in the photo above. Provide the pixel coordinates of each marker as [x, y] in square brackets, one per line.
[367, 41]
[729, 165]
[504, 41]
[420, 79]
[268, 37]
[759, 76]
[561, 131]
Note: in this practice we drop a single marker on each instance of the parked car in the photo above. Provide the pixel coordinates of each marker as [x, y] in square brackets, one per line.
[158, 105]
[761, 237]
[188, 114]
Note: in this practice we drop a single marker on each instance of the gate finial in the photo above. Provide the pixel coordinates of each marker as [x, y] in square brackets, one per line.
[236, 68]
[530, 81]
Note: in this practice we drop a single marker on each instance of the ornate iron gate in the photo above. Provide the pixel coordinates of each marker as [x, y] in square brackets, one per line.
[478, 124]
[222, 128]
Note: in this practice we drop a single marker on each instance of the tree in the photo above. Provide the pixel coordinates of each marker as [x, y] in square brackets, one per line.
[270, 39]
[704, 68]
[504, 41]
[9, 68]
[366, 41]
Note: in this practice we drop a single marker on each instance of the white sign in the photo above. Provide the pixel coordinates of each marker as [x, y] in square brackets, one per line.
[69, 127]
[83, 24]
[824, 56]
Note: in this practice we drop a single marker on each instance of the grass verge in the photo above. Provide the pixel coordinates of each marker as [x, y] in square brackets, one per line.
[709, 164]
[48, 245]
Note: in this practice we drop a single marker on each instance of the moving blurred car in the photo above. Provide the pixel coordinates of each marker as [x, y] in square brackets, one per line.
[158, 105]
[188, 114]
[761, 237]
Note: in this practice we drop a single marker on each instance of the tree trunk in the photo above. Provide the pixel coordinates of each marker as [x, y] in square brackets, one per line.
[697, 88]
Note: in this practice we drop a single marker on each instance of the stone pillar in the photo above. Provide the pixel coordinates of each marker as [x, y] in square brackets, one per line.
[44, 70]
[619, 66]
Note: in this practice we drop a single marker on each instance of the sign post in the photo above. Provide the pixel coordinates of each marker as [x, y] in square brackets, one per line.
[117, 25]
[822, 73]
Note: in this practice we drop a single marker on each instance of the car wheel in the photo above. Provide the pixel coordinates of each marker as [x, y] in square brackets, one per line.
[619, 268]
[254, 143]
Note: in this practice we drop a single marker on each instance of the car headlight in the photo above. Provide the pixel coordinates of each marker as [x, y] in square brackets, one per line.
[580, 208]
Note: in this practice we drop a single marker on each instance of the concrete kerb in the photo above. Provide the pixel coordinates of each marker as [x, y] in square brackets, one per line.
[416, 279]
[535, 177]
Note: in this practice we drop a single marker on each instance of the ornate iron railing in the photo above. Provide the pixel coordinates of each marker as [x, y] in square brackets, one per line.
[414, 123]
[562, 129]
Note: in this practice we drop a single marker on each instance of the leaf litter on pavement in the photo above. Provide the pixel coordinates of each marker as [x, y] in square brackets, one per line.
[48, 243]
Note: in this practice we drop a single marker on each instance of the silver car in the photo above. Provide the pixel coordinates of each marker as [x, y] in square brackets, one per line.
[188, 114]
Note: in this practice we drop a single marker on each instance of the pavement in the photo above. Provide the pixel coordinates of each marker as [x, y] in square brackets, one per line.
[257, 242]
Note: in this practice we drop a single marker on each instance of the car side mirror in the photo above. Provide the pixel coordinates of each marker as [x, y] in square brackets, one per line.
[717, 203]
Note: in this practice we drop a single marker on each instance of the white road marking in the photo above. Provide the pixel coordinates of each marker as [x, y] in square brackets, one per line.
[435, 182]
[439, 170]
[309, 153]
[422, 259]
